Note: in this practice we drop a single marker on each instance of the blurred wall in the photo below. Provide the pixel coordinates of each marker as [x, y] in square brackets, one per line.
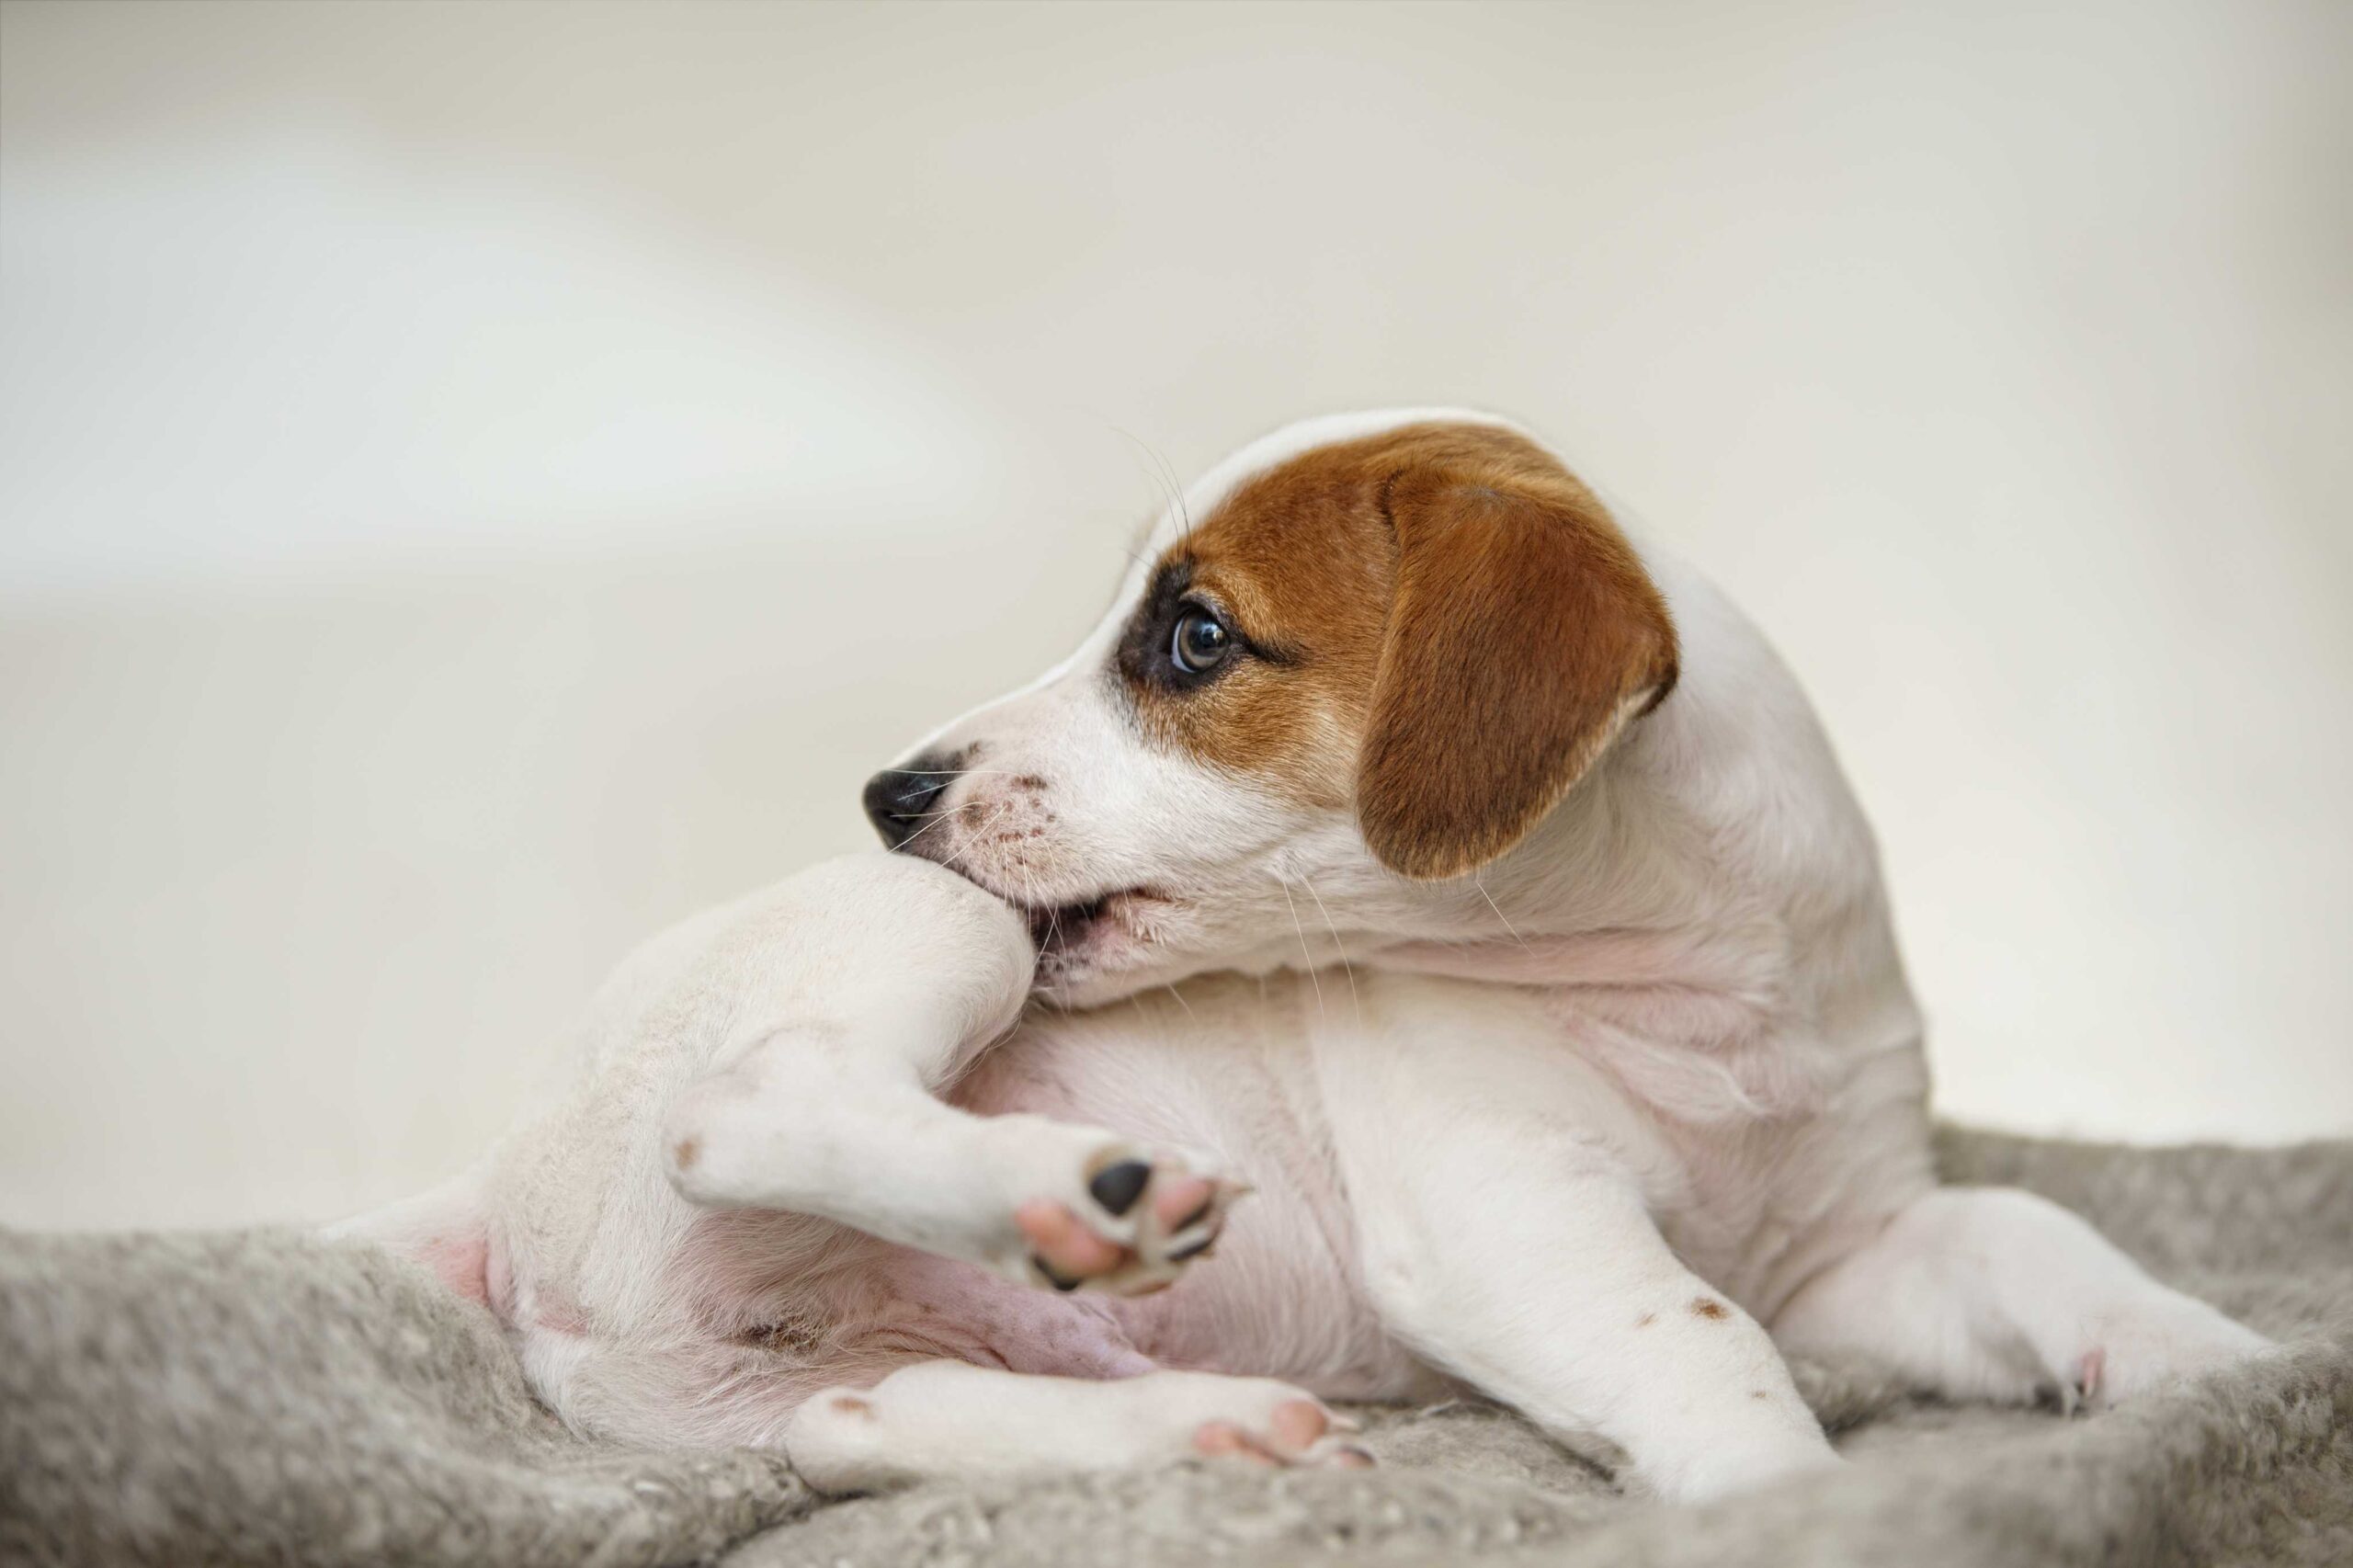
[478, 482]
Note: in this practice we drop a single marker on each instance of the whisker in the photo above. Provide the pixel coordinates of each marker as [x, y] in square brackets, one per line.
[1350, 969]
[1053, 911]
[1181, 1003]
[972, 842]
[1161, 477]
[1176, 485]
[1482, 886]
[1302, 947]
[937, 818]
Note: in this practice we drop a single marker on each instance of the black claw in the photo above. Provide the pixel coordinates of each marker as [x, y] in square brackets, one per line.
[1193, 1250]
[1195, 1218]
[1117, 1187]
[1056, 1280]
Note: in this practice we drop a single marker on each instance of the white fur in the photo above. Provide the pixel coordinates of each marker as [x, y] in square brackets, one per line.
[938, 1417]
[1586, 1132]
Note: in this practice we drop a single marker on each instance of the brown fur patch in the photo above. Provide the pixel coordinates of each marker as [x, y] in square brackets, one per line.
[685, 1155]
[1706, 1308]
[1455, 629]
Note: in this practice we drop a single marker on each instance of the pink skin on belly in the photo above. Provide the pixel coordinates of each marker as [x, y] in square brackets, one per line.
[1279, 1297]
[996, 1323]
[1276, 1301]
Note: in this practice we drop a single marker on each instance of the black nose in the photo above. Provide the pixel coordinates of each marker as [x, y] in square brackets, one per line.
[898, 799]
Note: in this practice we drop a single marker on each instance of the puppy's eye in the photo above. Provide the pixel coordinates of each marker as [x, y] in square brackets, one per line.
[1199, 642]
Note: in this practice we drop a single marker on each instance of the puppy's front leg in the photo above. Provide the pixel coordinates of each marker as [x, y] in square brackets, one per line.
[1506, 1238]
[864, 985]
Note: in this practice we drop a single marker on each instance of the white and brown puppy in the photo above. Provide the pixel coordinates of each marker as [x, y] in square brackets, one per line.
[1473, 883]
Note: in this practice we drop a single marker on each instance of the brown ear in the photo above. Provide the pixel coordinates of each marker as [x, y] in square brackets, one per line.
[1523, 636]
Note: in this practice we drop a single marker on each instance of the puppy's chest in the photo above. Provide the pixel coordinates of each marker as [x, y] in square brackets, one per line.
[1226, 1069]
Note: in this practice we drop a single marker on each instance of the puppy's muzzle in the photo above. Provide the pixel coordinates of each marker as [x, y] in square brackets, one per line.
[899, 800]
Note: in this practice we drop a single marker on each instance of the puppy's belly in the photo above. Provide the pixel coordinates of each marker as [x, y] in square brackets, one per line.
[1282, 1295]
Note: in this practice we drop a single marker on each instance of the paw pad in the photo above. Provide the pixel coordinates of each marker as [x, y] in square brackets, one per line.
[1117, 1187]
[1142, 1222]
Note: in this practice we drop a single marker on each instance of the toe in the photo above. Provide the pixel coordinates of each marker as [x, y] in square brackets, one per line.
[1064, 1245]
[1180, 1202]
[1216, 1437]
[1299, 1424]
[2090, 1372]
[1223, 1439]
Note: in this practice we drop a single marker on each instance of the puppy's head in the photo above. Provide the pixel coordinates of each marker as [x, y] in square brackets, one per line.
[1361, 660]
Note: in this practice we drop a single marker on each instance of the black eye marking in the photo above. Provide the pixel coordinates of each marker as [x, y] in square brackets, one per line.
[1180, 640]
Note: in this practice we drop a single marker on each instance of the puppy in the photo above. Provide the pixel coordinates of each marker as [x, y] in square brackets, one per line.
[1409, 849]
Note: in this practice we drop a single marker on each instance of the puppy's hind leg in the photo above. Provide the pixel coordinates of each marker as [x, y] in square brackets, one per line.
[952, 1420]
[886, 976]
[681, 1394]
[863, 1417]
[1989, 1293]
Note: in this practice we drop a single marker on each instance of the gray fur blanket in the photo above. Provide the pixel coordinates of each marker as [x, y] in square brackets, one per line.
[263, 1398]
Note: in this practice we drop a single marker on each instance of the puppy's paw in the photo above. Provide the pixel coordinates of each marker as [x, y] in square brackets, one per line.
[1143, 1218]
[1728, 1470]
[2152, 1344]
[1299, 1432]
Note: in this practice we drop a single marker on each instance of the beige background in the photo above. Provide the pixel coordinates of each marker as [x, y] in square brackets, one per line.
[477, 482]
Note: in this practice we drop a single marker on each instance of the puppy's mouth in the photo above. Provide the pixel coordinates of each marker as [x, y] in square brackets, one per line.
[1055, 929]
[1069, 928]
[1109, 929]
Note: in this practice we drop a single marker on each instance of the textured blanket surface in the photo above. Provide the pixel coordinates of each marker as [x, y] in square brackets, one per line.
[263, 1397]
